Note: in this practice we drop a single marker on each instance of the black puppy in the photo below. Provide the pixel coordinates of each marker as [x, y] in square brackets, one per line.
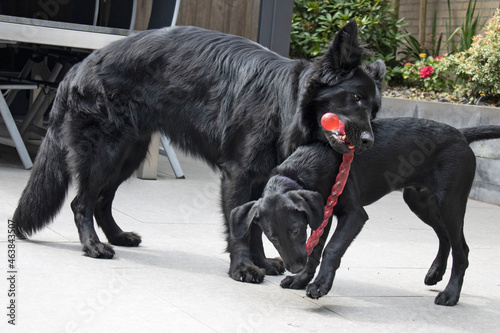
[430, 161]
[225, 99]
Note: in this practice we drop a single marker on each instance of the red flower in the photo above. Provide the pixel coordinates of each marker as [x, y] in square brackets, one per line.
[408, 64]
[438, 58]
[426, 72]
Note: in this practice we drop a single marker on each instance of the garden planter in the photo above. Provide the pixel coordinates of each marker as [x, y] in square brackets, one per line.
[486, 185]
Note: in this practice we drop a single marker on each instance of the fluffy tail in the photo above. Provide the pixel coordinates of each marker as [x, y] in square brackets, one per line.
[48, 184]
[481, 133]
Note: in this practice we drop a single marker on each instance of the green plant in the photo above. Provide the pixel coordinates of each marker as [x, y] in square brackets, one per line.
[470, 27]
[413, 48]
[435, 40]
[477, 69]
[427, 73]
[314, 23]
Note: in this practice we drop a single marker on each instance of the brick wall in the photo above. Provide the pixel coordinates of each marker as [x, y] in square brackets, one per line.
[410, 10]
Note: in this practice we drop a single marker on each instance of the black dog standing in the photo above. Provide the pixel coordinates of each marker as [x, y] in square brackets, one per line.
[431, 162]
[235, 104]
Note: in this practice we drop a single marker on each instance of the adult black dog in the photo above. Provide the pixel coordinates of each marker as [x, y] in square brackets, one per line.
[430, 161]
[223, 98]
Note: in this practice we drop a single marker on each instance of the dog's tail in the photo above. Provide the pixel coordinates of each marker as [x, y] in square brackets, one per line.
[48, 184]
[481, 133]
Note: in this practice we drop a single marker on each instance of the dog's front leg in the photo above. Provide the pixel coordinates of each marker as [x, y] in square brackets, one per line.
[272, 266]
[300, 280]
[236, 190]
[242, 267]
[348, 227]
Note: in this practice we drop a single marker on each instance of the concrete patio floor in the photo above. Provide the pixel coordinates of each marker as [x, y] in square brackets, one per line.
[177, 281]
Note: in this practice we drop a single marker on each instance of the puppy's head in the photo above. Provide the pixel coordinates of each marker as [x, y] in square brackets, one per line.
[284, 219]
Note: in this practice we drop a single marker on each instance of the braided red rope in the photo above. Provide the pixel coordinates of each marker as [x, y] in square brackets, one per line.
[337, 189]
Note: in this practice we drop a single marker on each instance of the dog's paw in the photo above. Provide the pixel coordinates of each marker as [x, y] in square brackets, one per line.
[434, 275]
[315, 291]
[248, 273]
[447, 298]
[298, 281]
[126, 239]
[274, 266]
[98, 250]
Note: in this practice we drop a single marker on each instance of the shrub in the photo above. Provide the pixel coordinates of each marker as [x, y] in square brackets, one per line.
[477, 69]
[314, 24]
[427, 73]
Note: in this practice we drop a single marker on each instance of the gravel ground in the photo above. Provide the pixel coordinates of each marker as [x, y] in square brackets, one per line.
[413, 93]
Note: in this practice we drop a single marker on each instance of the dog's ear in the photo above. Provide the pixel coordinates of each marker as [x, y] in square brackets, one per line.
[311, 203]
[241, 217]
[376, 71]
[342, 56]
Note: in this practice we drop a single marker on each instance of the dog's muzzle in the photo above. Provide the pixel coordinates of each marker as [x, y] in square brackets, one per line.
[296, 267]
[366, 142]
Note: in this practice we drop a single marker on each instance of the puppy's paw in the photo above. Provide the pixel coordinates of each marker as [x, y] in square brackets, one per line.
[298, 281]
[126, 239]
[320, 287]
[248, 273]
[434, 275]
[316, 291]
[98, 250]
[447, 297]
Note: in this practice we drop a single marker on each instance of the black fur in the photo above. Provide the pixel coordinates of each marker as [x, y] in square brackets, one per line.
[235, 104]
[431, 162]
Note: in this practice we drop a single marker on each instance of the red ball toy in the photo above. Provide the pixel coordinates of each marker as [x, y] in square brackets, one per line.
[330, 121]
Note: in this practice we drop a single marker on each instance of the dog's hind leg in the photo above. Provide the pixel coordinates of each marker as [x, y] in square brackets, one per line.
[452, 212]
[444, 208]
[83, 209]
[423, 204]
[452, 200]
[453, 217]
[103, 213]
[300, 280]
[97, 161]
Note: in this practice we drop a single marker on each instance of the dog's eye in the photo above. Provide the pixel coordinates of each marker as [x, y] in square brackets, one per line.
[356, 97]
[295, 232]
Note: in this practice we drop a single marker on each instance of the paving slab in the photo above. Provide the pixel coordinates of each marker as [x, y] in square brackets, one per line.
[177, 281]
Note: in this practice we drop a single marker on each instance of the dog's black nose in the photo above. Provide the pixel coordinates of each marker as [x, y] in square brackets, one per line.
[366, 140]
[297, 266]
